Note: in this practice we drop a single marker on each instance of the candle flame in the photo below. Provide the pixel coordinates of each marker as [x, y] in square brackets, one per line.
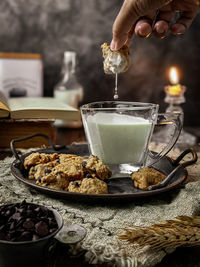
[173, 75]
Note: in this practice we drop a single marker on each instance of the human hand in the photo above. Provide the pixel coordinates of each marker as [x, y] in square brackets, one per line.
[136, 16]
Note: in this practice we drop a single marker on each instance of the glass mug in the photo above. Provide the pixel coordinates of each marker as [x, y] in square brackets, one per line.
[119, 133]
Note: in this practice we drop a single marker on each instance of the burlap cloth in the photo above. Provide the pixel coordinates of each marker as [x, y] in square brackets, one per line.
[105, 222]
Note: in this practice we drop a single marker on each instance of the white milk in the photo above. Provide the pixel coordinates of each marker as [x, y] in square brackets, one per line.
[117, 138]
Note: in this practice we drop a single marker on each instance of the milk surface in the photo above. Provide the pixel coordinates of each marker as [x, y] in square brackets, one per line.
[117, 138]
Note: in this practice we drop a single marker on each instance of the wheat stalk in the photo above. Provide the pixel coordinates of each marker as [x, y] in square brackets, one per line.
[183, 230]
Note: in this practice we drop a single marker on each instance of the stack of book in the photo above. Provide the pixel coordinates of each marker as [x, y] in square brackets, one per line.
[23, 116]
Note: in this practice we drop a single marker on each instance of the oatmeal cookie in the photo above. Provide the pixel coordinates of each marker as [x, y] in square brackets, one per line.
[94, 166]
[146, 177]
[115, 61]
[37, 158]
[54, 181]
[41, 170]
[88, 186]
[58, 173]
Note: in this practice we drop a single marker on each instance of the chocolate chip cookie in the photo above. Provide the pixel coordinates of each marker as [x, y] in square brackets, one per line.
[89, 186]
[37, 158]
[64, 168]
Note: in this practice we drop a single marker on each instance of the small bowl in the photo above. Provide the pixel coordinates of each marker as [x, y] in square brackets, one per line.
[28, 253]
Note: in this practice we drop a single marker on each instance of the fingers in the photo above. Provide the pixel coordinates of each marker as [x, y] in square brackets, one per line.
[127, 21]
[123, 24]
[130, 11]
[183, 22]
[143, 27]
[161, 27]
[130, 34]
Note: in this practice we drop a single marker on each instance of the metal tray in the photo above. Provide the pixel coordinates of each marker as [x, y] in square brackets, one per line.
[118, 188]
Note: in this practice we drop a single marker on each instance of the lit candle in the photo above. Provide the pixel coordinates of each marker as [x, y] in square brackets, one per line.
[175, 89]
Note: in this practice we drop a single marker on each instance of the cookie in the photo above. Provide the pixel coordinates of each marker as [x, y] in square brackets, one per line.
[146, 177]
[58, 173]
[115, 61]
[88, 186]
[37, 158]
[95, 167]
[56, 181]
[41, 170]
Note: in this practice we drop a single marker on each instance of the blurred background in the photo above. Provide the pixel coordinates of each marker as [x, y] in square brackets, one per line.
[50, 27]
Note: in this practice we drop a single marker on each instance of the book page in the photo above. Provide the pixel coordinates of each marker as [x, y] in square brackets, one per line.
[41, 108]
[4, 109]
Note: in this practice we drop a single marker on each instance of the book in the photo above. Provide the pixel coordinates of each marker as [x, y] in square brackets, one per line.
[15, 129]
[36, 108]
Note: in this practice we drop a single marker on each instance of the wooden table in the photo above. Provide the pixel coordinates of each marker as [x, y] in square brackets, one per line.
[182, 257]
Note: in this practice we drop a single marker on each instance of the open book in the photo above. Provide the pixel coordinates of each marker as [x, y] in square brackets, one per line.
[36, 108]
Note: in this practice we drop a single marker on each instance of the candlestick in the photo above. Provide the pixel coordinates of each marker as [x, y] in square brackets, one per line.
[174, 96]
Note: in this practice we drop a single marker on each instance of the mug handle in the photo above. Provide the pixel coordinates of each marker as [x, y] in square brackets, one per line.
[175, 120]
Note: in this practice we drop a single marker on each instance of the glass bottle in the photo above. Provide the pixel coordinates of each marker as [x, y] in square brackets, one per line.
[68, 90]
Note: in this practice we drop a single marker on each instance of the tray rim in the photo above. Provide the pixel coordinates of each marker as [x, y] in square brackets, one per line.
[81, 196]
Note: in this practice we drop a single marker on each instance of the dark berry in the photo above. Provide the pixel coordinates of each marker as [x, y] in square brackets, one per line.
[84, 163]
[76, 184]
[88, 175]
[46, 170]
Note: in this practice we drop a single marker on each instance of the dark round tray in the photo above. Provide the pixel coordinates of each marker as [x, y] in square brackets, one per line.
[118, 188]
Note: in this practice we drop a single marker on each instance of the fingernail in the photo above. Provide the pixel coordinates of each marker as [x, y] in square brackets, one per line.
[178, 29]
[112, 45]
[160, 30]
[144, 32]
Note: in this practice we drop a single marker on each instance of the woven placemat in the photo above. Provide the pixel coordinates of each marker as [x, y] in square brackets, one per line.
[105, 222]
